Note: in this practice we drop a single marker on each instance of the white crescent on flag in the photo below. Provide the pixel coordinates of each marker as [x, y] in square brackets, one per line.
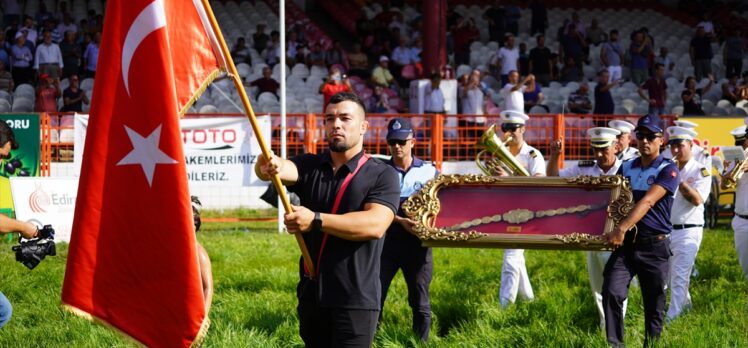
[152, 18]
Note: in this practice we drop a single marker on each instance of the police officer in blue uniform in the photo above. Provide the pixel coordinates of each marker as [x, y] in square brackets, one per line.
[402, 249]
[642, 239]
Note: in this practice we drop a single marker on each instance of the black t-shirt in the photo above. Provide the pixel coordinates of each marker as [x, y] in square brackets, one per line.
[702, 48]
[692, 108]
[349, 272]
[603, 102]
[540, 58]
[77, 106]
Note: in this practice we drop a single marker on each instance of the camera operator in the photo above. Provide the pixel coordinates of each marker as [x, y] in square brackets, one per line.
[8, 225]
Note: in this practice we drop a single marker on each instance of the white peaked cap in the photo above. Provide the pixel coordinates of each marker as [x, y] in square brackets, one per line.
[738, 132]
[685, 124]
[621, 125]
[680, 133]
[512, 116]
[602, 136]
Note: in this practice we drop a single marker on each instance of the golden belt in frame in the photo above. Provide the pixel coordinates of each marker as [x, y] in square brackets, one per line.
[520, 216]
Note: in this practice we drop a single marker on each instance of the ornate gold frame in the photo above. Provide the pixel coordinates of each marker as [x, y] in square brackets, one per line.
[424, 206]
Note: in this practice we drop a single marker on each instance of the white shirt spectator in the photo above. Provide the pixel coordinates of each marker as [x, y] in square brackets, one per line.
[509, 59]
[48, 54]
[708, 27]
[434, 100]
[402, 55]
[472, 104]
[62, 28]
[514, 100]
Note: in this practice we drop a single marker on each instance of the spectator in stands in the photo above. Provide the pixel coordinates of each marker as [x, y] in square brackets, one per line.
[539, 21]
[434, 96]
[604, 104]
[292, 47]
[48, 57]
[734, 52]
[472, 100]
[240, 52]
[47, 93]
[316, 56]
[91, 56]
[524, 60]
[266, 83]
[700, 52]
[336, 83]
[579, 101]
[641, 48]
[336, 55]
[31, 33]
[507, 58]
[611, 56]
[62, 10]
[22, 59]
[514, 89]
[66, 25]
[73, 97]
[533, 98]
[379, 102]
[706, 23]
[402, 55]
[358, 62]
[381, 75]
[657, 91]
[6, 79]
[571, 72]
[272, 51]
[691, 96]
[397, 22]
[595, 34]
[665, 60]
[555, 71]
[494, 15]
[512, 15]
[4, 49]
[730, 89]
[259, 38]
[42, 14]
[540, 62]
[579, 26]
[464, 33]
[573, 45]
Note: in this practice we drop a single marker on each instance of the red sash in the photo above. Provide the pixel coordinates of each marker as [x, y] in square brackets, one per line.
[336, 204]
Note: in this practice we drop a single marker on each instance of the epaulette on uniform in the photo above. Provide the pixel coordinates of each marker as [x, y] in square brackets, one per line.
[704, 172]
[533, 154]
[586, 163]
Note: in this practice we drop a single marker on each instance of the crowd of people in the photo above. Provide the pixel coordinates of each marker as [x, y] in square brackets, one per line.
[43, 49]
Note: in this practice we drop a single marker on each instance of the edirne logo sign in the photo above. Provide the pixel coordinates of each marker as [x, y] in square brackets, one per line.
[39, 200]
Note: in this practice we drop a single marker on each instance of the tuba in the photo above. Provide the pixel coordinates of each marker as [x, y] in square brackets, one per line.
[734, 175]
[502, 158]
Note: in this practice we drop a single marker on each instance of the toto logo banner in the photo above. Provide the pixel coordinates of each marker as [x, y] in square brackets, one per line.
[217, 150]
[46, 201]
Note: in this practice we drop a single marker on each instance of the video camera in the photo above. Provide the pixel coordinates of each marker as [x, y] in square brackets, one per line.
[33, 251]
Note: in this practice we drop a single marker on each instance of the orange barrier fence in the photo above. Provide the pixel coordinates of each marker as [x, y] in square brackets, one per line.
[439, 138]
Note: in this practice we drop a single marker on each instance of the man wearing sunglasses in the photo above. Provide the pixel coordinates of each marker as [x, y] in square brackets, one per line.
[624, 152]
[641, 241]
[687, 216]
[603, 145]
[402, 249]
[514, 277]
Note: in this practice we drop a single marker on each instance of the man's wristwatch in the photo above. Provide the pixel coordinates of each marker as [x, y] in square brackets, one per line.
[317, 222]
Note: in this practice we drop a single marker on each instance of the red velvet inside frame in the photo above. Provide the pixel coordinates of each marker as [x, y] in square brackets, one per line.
[467, 202]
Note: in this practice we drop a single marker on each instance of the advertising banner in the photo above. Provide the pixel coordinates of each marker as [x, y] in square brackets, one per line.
[24, 161]
[46, 201]
[218, 150]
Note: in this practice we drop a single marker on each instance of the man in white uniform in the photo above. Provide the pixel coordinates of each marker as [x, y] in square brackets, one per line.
[687, 216]
[603, 141]
[514, 278]
[740, 221]
[623, 150]
[700, 154]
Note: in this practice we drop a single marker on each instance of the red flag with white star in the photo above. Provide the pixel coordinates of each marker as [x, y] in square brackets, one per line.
[133, 258]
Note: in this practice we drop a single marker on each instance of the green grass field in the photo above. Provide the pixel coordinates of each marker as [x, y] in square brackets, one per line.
[255, 271]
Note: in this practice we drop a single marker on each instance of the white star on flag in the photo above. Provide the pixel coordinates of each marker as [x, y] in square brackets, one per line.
[145, 152]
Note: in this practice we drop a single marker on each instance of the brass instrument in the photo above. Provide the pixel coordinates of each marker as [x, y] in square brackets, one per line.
[733, 176]
[502, 157]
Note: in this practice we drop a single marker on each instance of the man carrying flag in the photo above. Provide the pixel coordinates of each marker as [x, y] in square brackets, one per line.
[133, 260]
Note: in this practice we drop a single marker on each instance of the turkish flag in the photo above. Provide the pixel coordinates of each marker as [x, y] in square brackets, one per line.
[133, 257]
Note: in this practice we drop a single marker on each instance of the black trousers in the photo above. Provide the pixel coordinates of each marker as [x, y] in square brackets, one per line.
[417, 266]
[336, 327]
[733, 67]
[649, 260]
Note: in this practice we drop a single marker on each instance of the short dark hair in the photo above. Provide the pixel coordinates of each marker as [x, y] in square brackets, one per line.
[6, 135]
[614, 32]
[659, 65]
[537, 37]
[347, 96]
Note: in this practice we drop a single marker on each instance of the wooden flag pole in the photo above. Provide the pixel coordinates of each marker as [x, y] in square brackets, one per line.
[234, 75]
